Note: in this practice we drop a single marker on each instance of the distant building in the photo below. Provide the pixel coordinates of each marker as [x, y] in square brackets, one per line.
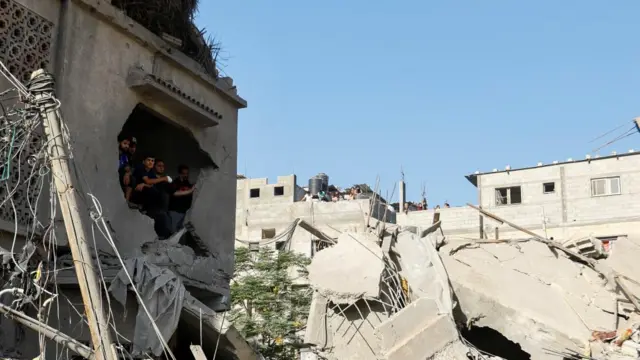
[265, 213]
[597, 197]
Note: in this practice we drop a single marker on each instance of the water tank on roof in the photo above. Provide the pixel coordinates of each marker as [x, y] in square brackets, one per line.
[325, 181]
[315, 185]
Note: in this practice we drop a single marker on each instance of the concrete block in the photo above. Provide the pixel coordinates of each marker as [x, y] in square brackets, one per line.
[316, 332]
[406, 323]
[427, 342]
[350, 270]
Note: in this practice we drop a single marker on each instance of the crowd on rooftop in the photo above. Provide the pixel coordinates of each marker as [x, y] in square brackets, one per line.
[332, 194]
[148, 188]
[421, 205]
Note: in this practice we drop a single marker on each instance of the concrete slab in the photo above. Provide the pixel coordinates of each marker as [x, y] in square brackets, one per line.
[350, 270]
[529, 296]
[406, 323]
[427, 342]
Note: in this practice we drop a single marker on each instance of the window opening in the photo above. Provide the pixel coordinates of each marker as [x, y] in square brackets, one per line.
[605, 186]
[278, 191]
[254, 193]
[254, 246]
[281, 245]
[509, 195]
[268, 233]
[157, 162]
[549, 188]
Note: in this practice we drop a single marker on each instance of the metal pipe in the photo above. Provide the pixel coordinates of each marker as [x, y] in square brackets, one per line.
[47, 331]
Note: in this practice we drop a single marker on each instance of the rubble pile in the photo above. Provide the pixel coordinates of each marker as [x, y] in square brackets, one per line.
[410, 293]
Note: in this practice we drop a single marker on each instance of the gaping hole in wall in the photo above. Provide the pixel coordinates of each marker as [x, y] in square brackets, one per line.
[493, 342]
[254, 193]
[159, 163]
[278, 191]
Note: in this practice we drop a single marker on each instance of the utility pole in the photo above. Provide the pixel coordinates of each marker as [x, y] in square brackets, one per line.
[41, 87]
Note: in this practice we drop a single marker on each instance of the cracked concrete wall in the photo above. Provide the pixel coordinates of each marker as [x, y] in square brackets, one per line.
[96, 56]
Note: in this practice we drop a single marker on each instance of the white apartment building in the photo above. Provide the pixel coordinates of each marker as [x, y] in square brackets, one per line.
[598, 197]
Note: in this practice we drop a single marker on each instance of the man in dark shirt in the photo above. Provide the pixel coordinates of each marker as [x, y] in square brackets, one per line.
[181, 198]
[149, 196]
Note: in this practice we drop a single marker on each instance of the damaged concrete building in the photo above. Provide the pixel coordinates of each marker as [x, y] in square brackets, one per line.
[116, 74]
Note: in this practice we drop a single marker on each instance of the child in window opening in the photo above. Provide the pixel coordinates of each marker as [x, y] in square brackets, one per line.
[127, 183]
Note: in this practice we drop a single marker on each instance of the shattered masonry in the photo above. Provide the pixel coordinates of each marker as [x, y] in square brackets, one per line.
[542, 303]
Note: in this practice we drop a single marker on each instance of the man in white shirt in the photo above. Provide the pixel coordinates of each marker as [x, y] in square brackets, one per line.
[307, 196]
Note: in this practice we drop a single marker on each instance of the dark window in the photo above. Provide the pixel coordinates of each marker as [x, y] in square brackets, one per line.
[268, 233]
[549, 188]
[281, 245]
[254, 193]
[509, 195]
[278, 191]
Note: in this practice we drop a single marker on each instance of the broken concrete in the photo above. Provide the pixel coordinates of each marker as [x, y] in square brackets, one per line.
[530, 296]
[350, 270]
[417, 332]
[366, 328]
[422, 267]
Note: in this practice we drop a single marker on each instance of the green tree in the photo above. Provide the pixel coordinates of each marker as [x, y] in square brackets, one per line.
[267, 307]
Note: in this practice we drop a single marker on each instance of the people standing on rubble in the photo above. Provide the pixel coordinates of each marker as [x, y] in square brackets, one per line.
[181, 198]
[446, 205]
[424, 203]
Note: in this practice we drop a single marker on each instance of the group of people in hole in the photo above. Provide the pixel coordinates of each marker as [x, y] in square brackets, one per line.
[147, 187]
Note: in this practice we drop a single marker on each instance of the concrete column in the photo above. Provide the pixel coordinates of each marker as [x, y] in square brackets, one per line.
[403, 196]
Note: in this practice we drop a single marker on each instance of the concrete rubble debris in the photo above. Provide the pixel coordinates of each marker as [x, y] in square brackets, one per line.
[350, 270]
[369, 313]
[410, 293]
